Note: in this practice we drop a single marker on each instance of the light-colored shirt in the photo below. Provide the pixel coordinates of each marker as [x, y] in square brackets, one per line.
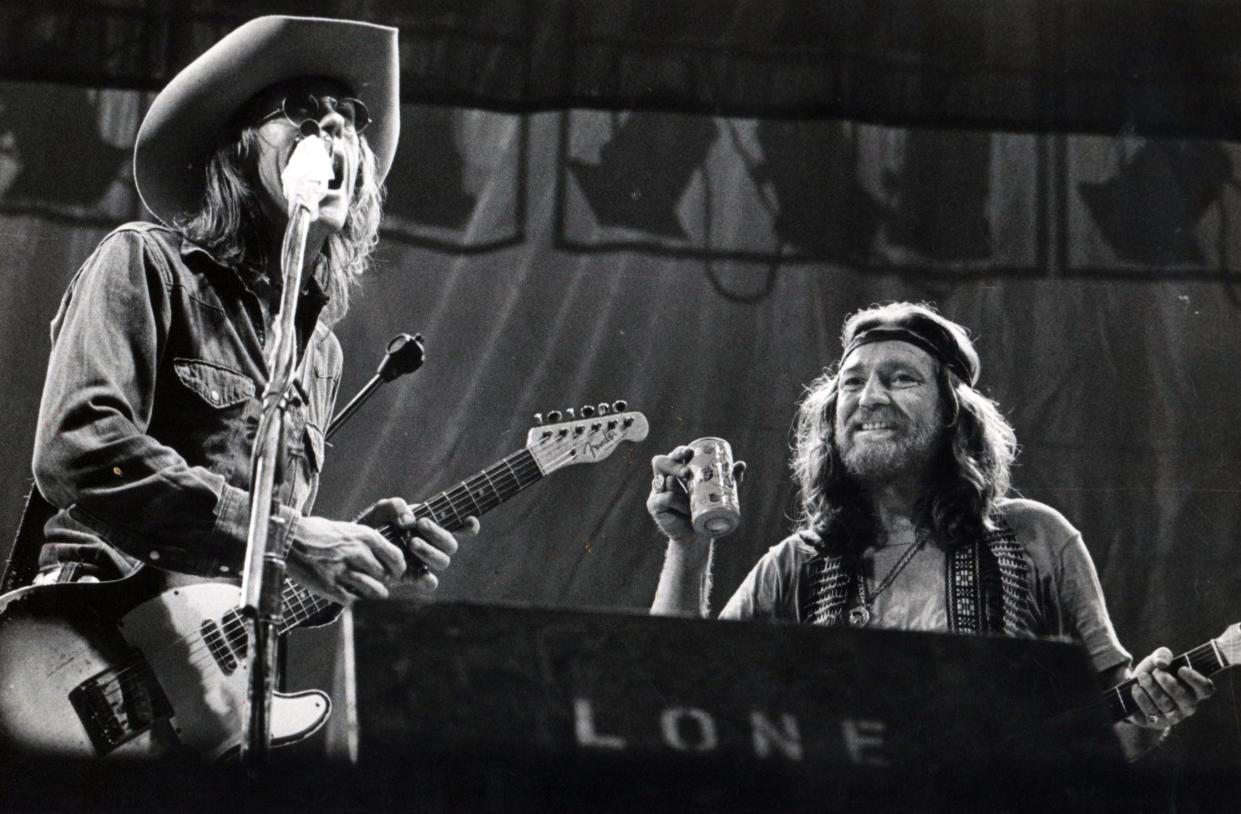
[1066, 595]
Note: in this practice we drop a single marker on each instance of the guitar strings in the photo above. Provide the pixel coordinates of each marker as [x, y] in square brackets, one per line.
[308, 604]
[227, 629]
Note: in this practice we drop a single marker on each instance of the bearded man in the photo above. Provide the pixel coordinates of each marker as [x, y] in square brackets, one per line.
[903, 471]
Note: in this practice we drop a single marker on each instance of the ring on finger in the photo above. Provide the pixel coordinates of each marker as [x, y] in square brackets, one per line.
[659, 483]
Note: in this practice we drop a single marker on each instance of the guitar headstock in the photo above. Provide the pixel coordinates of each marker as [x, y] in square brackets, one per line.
[1229, 644]
[585, 440]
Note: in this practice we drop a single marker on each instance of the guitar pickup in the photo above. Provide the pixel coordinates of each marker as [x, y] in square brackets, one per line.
[221, 648]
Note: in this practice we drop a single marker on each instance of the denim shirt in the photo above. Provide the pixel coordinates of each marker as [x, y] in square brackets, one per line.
[151, 406]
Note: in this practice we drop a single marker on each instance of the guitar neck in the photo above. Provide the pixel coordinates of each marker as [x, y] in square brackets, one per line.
[449, 509]
[1206, 659]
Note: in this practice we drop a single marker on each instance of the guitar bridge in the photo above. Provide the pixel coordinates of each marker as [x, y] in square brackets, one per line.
[120, 703]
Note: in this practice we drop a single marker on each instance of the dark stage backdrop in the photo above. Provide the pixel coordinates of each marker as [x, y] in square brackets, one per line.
[700, 268]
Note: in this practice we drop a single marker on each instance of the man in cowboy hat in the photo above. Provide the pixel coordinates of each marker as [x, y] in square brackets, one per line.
[151, 400]
[903, 470]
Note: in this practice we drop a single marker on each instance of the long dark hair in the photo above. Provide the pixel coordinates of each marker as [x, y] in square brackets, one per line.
[232, 225]
[972, 469]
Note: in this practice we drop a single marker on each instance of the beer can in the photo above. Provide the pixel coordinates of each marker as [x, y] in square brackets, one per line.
[713, 506]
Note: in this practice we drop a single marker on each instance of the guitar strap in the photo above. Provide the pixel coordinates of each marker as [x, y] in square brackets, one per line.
[23, 562]
[987, 584]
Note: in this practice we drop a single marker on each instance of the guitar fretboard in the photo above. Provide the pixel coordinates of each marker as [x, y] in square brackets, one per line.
[1204, 658]
[473, 497]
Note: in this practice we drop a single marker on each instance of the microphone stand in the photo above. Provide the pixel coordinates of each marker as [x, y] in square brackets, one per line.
[262, 583]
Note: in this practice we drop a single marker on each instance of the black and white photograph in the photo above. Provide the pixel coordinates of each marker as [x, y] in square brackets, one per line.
[640, 405]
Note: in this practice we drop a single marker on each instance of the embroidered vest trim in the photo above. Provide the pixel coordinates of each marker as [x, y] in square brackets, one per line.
[987, 584]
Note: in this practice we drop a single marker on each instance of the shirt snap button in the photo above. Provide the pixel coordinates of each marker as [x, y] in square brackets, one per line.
[215, 395]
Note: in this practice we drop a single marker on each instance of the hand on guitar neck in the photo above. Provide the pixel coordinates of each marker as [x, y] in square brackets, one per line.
[1164, 691]
[344, 561]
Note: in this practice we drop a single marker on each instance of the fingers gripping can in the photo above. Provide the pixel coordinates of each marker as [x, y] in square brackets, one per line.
[713, 506]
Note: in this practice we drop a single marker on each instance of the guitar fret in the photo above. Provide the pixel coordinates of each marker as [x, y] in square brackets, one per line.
[508, 465]
[469, 492]
[457, 520]
[300, 605]
[433, 511]
[503, 488]
[500, 490]
[1205, 659]
[1219, 655]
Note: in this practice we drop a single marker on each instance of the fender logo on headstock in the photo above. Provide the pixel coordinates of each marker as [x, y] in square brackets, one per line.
[586, 440]
[604, 445]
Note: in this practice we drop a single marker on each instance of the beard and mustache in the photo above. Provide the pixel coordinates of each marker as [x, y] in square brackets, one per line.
[906, 451]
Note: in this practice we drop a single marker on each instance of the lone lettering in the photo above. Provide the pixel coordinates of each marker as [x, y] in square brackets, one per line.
[691, 730]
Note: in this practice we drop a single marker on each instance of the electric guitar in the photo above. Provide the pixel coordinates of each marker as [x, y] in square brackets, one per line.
[156, 663]
[1217, 654]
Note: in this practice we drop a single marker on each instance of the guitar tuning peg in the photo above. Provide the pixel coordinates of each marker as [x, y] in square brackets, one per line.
[587, 411]
[603, 408]
[538, 418]
[620, 405]
[568, 413]
[553, 416]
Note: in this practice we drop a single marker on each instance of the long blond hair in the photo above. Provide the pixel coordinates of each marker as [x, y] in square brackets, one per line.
[232, 225]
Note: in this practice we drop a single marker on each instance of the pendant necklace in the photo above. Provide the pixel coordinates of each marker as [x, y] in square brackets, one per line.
[859, 614]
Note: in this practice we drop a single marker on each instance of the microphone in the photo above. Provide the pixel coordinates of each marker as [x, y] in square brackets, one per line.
[404, 355]
[306, 176]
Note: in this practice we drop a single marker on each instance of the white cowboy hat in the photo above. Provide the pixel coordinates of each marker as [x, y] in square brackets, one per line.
[180, 130]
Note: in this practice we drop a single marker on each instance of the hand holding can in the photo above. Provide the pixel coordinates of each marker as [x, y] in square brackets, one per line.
[714, 508]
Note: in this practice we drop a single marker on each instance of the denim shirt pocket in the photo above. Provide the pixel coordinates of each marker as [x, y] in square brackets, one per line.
[209, 424]
[219, 386]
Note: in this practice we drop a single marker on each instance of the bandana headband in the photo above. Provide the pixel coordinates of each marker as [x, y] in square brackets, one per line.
[939, 344]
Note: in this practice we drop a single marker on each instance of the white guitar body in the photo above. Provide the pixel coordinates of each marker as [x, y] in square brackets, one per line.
[43, 659]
